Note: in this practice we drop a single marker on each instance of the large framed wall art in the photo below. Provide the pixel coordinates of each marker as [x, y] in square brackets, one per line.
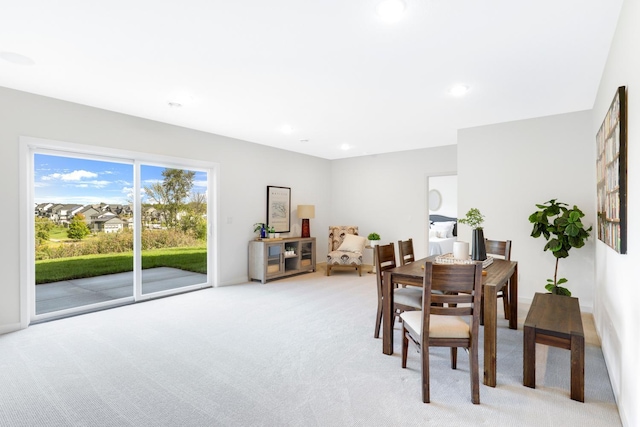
[611, 165]
[279, 208]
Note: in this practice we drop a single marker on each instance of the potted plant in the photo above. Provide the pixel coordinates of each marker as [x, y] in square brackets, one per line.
[374, 238]
[474, 219]
[259, 228]
[563, 229]
[272, 232]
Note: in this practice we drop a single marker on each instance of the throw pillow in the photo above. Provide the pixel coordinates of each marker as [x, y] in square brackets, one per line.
[444, 226]
[353, 243]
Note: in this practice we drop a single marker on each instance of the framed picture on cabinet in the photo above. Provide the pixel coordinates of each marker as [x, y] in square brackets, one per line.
[279, 208]
[611, 163]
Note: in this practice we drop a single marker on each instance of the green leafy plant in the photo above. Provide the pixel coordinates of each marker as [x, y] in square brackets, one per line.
[562, 227]
[373, 236]
[271, 230]
[258, 226]
[473, 219]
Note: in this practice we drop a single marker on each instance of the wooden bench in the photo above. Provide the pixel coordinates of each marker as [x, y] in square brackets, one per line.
[555, 320]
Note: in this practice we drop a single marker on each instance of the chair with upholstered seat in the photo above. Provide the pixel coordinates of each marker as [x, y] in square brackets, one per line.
[500, 249]
[345, 248]
[404, 299]
[405, 251]
[453, 323]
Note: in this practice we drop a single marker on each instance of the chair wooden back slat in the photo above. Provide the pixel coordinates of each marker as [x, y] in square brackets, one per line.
[500, 248]
[452, 299]
[405, 251]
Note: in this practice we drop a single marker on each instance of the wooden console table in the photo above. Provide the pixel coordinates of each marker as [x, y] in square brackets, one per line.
[275, 258]
[555, 320]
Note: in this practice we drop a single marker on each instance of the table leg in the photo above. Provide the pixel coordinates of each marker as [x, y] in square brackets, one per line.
[387, 313]
[529, 357]
[577, 367]
[490, 335]
[513, 299]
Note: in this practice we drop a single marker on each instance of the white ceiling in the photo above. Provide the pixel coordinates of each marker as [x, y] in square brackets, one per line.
[330, 69]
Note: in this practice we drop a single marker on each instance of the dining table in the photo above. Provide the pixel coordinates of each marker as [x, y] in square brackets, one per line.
[499, 273]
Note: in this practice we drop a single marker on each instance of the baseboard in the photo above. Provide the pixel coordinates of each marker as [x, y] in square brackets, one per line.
[11, 327]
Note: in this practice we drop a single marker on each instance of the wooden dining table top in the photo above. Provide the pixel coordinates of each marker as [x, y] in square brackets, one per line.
[496, 271]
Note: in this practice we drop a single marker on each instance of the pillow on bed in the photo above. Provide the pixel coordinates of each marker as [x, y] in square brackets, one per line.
[352, 243]
[443, 229]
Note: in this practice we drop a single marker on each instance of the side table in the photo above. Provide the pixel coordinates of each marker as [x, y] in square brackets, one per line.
[373, 258]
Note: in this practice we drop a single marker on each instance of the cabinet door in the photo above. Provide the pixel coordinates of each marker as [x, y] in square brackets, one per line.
[274, 259]
[307, 260]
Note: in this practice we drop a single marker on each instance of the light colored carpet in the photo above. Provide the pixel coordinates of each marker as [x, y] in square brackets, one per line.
[294, 352]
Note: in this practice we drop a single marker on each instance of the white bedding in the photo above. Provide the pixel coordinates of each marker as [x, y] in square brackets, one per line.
[438, 246]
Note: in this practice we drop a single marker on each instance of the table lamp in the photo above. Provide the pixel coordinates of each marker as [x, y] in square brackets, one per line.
[305, 212]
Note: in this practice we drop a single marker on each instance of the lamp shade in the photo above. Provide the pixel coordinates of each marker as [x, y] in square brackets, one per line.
[306, 211]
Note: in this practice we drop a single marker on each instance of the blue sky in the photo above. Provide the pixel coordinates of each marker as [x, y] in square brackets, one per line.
[59, 179]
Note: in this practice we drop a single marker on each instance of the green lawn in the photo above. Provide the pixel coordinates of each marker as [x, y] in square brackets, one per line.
[189, 259]
[58, 233]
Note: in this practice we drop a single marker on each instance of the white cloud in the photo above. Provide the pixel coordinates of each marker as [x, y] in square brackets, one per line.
[78, 175]
[98, 184]
[200, 184]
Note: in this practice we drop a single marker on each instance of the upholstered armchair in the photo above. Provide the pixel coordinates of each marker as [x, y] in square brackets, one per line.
[345, 248]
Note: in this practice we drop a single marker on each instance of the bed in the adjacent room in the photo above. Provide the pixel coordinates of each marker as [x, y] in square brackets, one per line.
[443, 231]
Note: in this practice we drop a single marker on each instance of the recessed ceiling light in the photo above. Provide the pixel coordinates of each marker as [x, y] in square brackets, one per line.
[16, 58]
[304, 140]
[174, 104]
[391, 10]
[459, 90]
[286, 129]
[345, 147]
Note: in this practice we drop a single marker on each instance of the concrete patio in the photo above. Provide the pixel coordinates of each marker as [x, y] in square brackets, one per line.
[67, 294]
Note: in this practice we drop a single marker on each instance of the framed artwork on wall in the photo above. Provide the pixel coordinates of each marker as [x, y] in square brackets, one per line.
[611, 163]
[279, 208]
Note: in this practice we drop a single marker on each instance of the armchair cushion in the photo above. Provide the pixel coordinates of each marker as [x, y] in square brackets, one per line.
[344, 258]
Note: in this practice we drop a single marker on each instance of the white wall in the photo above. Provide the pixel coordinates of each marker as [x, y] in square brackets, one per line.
[504, 170]
[245, 171]
[387, 193]
[448, 187]
[617, 290]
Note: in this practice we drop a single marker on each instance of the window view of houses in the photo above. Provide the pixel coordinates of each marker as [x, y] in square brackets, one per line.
[101, 217]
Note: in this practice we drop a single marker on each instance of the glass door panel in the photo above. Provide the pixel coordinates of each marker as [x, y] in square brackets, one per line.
[306, 254]
[173, 219]
[82, 228]
[274, 258]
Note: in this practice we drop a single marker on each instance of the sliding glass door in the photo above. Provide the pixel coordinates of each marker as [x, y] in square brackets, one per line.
[109, 231]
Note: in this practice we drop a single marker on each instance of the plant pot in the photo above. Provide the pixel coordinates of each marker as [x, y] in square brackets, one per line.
[373, 242]
[272, 235]
[478, 250]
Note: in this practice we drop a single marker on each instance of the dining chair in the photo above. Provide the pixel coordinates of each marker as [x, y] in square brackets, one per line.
[404, 299]
[405, 251]
[501, 249]
[444, 325]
